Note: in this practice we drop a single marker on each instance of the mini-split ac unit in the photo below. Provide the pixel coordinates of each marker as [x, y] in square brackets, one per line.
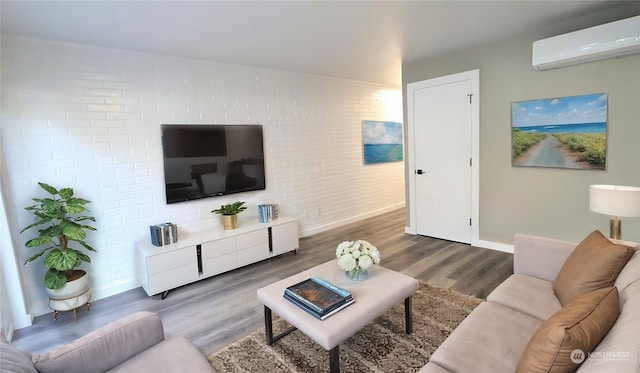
[595, 43]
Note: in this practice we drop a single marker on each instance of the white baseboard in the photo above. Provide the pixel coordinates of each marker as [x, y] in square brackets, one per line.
[352, 219]
[22, 321]
[496, 246]
[480, 243]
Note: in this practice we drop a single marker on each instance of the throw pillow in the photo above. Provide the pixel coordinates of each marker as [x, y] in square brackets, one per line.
[14, 360]
[562, 342]
[594, 264]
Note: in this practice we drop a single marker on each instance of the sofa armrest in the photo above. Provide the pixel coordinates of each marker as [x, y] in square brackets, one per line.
[540, 257]
[106, 347]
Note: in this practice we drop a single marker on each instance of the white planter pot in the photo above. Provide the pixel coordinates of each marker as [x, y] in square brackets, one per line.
[71, 289]
[70, 303]
[72, 295]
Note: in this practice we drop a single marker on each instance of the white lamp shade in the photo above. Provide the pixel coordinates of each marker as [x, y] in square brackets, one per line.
[615, 200]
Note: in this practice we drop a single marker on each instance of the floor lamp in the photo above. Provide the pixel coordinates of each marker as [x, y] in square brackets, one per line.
[616, 201]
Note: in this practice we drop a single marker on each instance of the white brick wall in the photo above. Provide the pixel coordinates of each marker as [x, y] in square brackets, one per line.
[89, 118]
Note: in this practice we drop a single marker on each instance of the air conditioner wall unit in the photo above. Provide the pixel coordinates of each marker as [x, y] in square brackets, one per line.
[595, 43]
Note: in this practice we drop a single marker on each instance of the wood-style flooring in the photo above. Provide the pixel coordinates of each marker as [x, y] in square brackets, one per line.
[216, 311]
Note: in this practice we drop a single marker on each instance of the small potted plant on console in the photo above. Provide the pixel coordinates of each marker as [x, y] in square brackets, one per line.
[229, 214]
[60, 221]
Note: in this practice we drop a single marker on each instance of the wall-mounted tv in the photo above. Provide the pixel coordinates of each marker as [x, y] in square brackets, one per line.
[211, 160]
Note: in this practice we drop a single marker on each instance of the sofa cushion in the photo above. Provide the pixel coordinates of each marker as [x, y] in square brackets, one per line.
[174, 354]
[630, 273]
[527, 294]
[619, 350]
[490, 339]
[594, 264]
[13, 360]
[580, 325]
[540, 257]
[105, 347]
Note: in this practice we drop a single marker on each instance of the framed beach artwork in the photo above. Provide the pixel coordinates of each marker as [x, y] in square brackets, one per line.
[565, 132]
[381, 141]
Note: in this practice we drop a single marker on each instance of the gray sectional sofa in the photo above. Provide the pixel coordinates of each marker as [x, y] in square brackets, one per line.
[135, 343]
[517, 320]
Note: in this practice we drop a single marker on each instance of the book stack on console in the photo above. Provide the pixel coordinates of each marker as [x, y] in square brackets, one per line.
[268, 212]
[163, 234]
[318, 297]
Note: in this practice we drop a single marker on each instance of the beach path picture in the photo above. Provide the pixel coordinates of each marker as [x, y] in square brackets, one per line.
[565, 132]
[382, 141]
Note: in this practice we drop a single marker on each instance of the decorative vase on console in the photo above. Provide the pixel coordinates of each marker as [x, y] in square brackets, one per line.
[229, 214]
[356, 257]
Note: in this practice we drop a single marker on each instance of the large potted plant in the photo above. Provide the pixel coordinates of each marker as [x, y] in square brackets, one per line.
[229, 214]
[60, 223]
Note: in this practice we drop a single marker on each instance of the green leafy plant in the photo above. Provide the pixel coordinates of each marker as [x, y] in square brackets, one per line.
[230, 209]
[61, 215]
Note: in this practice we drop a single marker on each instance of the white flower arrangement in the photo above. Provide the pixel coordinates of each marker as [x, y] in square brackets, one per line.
[357, 256]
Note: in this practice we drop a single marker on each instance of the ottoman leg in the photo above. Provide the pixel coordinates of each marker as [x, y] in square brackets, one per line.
[408, 319]
[334, 359]
[268, 325]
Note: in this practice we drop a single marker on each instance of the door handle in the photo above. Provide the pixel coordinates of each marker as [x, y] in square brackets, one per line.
[419, 172]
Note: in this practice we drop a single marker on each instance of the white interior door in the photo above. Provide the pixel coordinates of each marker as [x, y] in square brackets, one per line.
[441, 118]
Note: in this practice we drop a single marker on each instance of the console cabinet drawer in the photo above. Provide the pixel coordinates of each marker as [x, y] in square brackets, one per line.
[213, 249]
[173, 278]
[219, 264]
[253, 254]
[255, 238]
[172, 259]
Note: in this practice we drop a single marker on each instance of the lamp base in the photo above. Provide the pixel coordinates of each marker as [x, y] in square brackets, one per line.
[615, 228]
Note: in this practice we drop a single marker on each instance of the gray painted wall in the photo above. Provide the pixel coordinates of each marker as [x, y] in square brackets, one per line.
[545, 201]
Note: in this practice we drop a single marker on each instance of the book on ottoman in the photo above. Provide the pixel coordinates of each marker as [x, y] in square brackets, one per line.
[318, 297]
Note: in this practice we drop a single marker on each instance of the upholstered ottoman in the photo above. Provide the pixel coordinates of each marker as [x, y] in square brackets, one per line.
[374, 296]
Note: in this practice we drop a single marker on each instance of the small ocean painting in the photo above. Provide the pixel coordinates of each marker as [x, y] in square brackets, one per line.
[382, 141]
[565, 132]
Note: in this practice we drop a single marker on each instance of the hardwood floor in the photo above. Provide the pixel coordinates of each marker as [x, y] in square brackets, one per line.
[216, 311]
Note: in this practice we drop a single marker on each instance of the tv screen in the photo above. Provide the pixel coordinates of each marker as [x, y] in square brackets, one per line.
[211, 160]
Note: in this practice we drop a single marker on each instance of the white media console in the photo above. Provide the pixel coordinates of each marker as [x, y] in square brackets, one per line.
[205, 254]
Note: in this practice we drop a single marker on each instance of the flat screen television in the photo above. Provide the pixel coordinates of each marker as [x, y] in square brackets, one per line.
[203, 161]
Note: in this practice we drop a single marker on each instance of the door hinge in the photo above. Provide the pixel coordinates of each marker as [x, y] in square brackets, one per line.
[470, 222]
[470, 97]
[470, 162]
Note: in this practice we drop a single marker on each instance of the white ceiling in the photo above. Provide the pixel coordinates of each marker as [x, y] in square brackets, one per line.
[359, 40]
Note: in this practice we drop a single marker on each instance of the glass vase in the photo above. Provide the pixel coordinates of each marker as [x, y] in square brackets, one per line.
[357, 274]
